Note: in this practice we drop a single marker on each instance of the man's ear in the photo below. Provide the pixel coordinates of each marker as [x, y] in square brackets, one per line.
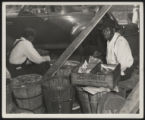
[31, 38]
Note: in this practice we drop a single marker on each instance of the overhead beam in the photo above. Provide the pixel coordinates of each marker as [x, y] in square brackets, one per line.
[76, 43]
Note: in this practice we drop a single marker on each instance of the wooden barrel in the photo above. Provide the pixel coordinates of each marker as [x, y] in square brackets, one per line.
[58, 95]
[88, 102]
[111, 103]
[28, 93]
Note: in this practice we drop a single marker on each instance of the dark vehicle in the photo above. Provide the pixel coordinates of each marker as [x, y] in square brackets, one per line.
[56, 26]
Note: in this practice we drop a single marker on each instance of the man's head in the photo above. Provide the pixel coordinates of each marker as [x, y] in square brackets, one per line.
[29, 34]
[108, 29]
[108, 32]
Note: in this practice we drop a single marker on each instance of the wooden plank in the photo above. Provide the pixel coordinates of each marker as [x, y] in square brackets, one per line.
[75, 44]
[136, 108]
[132, 102]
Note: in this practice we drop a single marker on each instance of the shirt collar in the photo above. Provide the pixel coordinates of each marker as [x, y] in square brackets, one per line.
[114, 38]
[22, 38]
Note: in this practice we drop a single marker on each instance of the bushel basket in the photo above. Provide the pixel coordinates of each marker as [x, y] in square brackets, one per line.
[58, 95]
[27, 92]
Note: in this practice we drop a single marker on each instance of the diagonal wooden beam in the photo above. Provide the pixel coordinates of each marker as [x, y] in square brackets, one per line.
[76, 43]
[132, 102]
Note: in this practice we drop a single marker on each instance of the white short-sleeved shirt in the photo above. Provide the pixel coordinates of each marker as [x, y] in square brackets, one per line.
[24, 50]
[118, 51]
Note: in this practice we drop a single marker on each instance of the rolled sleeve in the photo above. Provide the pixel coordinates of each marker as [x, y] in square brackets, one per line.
[32, 54]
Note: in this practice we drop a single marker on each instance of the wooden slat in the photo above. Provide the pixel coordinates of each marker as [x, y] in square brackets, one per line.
[75, 44]
[132, 102]
[136, 108]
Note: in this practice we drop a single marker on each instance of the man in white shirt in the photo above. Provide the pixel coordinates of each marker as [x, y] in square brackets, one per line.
[118, 49]
[24, 58]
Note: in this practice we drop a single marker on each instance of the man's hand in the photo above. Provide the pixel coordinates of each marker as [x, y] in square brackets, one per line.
[47, 58]
[28, 62]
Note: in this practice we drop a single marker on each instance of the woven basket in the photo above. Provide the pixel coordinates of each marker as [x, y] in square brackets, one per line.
[64, 71]
[17, 110]
[110, 103]
[58, 95]
[88, 102]
[109, 80]
[27, 92]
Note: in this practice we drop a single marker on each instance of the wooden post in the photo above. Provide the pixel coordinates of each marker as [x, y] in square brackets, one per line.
[75, 44]
[132, 102]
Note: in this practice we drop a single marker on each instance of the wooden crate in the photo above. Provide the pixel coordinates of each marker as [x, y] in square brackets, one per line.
[109, 80]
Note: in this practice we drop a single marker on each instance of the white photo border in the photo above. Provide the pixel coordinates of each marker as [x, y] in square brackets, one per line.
[141, 75]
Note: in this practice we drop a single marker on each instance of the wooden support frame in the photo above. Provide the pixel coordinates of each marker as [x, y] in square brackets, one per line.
[132, 102]
[75, 44]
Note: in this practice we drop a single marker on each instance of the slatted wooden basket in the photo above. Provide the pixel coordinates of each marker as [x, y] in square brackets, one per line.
[58, 95]
[110, 103]
[27, 92]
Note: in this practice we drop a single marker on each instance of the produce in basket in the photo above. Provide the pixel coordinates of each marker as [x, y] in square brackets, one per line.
[66, 69]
